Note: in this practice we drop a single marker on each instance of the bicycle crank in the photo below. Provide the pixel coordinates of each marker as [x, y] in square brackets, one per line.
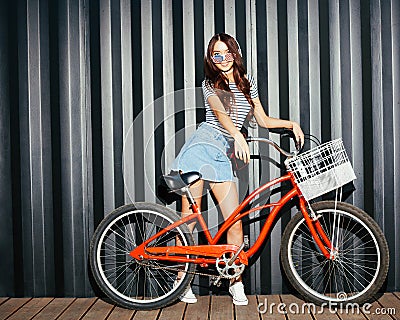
[227, 269]
[226, 272]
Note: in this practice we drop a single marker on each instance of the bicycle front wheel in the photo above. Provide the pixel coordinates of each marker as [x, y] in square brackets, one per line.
[145, 284]
[360, 265]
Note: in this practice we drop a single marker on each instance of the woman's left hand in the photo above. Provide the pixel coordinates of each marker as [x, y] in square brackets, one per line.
[298, 133]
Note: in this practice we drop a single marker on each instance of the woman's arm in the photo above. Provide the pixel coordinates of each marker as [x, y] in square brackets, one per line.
[268, 122]
[242, 150]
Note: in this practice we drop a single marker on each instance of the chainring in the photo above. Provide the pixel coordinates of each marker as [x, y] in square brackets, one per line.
[228, 271]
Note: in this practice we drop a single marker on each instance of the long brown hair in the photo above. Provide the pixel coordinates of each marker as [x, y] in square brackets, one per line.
[217, 77]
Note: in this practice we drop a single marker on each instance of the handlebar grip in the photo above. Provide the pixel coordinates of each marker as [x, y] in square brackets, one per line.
[272, 143]
[284, 132]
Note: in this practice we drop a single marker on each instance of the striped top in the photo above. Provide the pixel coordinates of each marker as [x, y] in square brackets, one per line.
[240, 108]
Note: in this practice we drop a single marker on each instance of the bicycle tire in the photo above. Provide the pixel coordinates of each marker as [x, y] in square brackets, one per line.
[360, 268]
[130, 283]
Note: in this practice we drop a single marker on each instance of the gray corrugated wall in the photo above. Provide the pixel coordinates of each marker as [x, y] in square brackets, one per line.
[75, 74]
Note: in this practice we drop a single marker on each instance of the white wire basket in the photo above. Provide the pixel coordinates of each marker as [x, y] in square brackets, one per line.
[321, 169]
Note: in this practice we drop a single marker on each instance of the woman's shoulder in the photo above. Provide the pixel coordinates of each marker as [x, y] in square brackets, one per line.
[208, 88]
[251, 79]
[207, 84]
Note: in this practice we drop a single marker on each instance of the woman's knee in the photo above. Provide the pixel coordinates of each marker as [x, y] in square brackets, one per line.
[196, 189]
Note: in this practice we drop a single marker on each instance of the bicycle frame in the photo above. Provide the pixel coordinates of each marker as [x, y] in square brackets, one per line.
[209, 253]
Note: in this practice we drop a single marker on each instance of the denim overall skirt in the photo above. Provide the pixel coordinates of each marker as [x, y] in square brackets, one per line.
[206, 152]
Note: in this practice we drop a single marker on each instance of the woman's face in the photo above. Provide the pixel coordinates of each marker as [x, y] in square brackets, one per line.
[222, 57]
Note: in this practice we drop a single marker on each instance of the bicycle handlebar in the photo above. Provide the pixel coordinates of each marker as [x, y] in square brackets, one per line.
[272, 143]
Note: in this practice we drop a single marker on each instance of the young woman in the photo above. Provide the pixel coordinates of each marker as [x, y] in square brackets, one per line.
[229, 95]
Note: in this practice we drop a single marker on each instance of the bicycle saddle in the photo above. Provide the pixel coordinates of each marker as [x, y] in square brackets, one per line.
[177, 181]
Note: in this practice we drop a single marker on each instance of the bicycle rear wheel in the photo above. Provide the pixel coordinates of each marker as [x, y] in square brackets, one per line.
[136, 284]
[360, 265]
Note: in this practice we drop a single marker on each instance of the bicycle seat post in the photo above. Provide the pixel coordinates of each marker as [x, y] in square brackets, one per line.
[189, 195]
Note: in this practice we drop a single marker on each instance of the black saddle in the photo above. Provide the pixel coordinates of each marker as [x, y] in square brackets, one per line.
[171, 185]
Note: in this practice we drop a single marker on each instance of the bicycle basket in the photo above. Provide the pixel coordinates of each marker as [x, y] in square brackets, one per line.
[321, 169]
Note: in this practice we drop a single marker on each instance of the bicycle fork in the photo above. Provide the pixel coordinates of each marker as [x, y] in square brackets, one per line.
[317, 232]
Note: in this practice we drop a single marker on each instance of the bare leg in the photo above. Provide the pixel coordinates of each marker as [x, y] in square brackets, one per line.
[227, 197]
[197, 192]
[228, 200]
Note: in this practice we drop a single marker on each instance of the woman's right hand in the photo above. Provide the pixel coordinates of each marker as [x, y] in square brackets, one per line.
[242, 150]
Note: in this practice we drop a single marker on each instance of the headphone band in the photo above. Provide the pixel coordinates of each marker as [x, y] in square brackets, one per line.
[237, 43]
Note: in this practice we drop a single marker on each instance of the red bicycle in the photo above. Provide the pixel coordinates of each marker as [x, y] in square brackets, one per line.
[330, 251]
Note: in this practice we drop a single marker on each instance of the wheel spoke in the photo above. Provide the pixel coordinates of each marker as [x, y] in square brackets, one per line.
[353, 262]
[115, 246]
[355, 278]
[299, 248]
[352, 269]
[125, 236]
[329, 277]
[320, 269]
[346, 278]
[315, 267]
[131, 280]
[363, 268]
[130, 284]
[359, 239]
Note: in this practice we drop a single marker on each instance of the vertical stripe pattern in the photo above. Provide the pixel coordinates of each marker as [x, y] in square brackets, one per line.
[97, 98]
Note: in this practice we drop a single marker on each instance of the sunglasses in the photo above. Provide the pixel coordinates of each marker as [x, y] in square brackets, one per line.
[218, 58]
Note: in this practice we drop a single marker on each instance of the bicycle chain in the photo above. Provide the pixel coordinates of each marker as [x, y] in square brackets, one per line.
[213, 276]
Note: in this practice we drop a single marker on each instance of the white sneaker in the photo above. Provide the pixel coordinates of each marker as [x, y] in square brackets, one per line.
[188, 296]
[238, 296]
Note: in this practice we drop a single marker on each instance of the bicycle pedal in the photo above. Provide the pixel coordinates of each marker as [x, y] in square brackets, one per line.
[217, 281]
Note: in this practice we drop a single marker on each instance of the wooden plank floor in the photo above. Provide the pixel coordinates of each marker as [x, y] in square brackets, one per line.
[387, 306]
